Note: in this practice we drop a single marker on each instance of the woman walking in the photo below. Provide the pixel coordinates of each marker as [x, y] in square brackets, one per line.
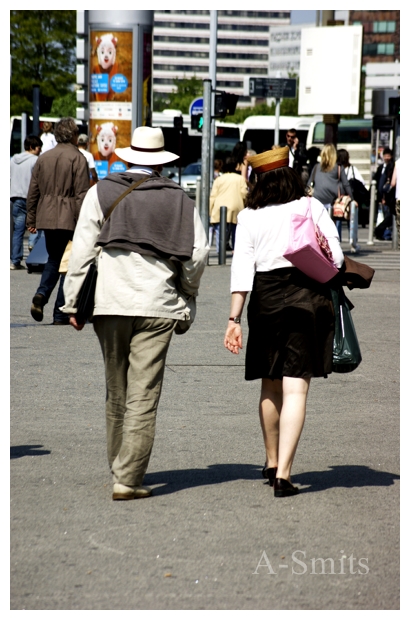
[327, 178]
[228, 190]
[290, 316]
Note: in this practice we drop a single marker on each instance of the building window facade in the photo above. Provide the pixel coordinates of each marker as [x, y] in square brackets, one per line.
[181, 47]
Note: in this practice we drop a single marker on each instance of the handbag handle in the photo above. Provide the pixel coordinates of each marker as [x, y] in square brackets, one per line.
[128, 191]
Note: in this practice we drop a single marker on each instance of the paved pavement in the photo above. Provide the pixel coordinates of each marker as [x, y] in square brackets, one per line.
[212, 536]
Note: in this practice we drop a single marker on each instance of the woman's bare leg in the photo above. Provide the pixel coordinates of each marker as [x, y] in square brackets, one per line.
[270, 406]
[292, 418]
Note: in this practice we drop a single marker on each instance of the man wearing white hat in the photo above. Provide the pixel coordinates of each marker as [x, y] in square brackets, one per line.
[151, 252]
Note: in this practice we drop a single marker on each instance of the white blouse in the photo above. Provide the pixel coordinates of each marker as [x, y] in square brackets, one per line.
[262, 236]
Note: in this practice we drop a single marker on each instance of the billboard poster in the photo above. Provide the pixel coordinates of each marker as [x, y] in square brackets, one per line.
[110, 98]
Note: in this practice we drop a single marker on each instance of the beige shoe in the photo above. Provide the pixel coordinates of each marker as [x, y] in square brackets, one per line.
[121, 491]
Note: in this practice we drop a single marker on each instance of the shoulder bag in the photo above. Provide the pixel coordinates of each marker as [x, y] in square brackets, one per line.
[85, 299]
[346, 349]
[341, 205]
[308, 248]
[360, 192]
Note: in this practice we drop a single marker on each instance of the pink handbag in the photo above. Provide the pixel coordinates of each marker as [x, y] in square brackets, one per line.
[308, 249]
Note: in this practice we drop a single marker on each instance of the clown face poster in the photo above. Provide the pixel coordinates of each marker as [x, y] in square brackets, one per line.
[110, 98]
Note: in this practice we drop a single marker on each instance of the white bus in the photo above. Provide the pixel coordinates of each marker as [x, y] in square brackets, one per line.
[16, 145]
[259, 131]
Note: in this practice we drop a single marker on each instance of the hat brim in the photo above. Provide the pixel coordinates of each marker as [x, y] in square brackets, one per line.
[144, 157]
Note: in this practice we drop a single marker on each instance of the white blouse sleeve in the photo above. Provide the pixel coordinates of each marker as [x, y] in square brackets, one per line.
[322, 218]
[358, 176]
[243, 262]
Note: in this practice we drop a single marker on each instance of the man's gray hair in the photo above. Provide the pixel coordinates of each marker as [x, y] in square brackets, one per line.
[65, 129]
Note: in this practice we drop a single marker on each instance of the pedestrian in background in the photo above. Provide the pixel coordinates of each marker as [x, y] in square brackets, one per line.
[396, 184]
[47, 137]
[152, 252]
[83, 148]
[297, 154]
[21, 168]
[239, 154]
[386, 196]
[290, 316]
[360, 192]
[228, 190]
[59, 182]
[324, 179]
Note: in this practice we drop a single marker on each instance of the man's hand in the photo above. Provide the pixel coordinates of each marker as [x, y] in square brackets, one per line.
[73, 322]
[32, 230]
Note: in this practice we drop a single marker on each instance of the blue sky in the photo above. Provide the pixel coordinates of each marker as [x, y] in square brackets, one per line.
[303, 17]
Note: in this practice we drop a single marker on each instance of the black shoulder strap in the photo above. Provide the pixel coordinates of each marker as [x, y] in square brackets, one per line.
[314, 172]
[128, 191]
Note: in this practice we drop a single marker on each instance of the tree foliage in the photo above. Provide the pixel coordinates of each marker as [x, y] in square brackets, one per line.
[186, 90]
[64, 106]
[43, 53]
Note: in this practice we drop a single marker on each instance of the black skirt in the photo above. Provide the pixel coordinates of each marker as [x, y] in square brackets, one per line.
[291, 326]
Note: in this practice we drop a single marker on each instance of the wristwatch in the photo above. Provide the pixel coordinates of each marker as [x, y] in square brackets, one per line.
[235, 319]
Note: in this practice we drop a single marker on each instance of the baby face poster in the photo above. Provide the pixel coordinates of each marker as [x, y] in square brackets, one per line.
[110, 98]
[110, 66]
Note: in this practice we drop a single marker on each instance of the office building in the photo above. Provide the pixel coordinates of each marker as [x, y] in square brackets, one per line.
[181, 48]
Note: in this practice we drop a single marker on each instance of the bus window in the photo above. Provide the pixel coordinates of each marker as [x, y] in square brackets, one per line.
[261, 140]
[356, 131]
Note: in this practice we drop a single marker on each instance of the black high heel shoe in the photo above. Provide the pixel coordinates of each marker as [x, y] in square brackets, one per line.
[270, 474]
[284, 488]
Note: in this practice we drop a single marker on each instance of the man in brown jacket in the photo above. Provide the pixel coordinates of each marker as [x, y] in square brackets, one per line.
[58, 185]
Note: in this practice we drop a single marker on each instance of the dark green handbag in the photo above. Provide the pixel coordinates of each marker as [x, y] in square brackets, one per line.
[346, 349]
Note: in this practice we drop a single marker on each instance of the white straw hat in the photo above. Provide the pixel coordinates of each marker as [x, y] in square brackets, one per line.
[147, 148]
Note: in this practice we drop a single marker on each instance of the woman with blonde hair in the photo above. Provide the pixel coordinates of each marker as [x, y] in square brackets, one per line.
[324, 181]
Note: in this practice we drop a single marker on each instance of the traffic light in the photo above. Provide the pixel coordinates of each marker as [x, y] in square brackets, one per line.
[225, 104]
[394, 106]
[197, 121]
[178, 122]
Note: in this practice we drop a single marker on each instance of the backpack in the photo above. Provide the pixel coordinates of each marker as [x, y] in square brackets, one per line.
[360, 193]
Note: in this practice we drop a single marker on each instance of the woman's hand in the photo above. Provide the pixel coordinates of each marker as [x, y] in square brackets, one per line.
[73, 322]
[233, 337]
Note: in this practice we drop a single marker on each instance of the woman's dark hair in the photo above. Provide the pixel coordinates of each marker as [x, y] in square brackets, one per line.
[239, 152]
[276, 187]
[229, 165]
[65, 129]
[343, 158]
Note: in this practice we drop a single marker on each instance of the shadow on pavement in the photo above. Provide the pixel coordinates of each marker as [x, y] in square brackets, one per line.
[347, 476]
[175, 480]
[16, 452]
